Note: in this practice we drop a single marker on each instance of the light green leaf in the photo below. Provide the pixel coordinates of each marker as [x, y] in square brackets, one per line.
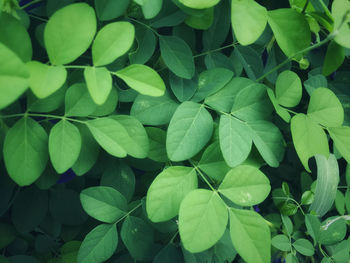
[252, 103]
[153, 110]
[288, 89]
[202, 220]
[110, 9]
[99, 83]
[109, 106]
[99, 245]
[245, 185]
[282, 112]
[325, 108]
[291, 30]
[309, 139]
[334, 58]
[111, 42]
[327, 184]
[69, 33]
[14, 77]
[109, 134]
[189, 131]
[45, 80]
[269, 141]
[290, 258]
[281, 242]
[166, 192]
[150, 8]
[199, 4]
[157, 148]
[341, 138]
[103, 203]
[235, 140]
[340, 11]
[248, 20]
[64, 145]
[136, 144]
[304, 247]
[15, 36]
[250, 236]
[78, 101]
[25, 151]
[177, 56]
[143, 79]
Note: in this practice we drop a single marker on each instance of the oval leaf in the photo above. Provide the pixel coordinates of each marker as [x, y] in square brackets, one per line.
[99, 83]
[288, 89]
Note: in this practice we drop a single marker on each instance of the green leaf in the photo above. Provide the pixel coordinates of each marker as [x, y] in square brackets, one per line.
[211, 81]
[287, 224]
[282, 112]
[189, 131]
[334, 58]
[202, 220]
[157, 148]
[309, 139]
[99, 83]
[153, 110]
[251, 61]
[143, 79]
[177, 56]
[69, 33]
[103, 203]
[111, 42]
[199, 4]
[69, 251]
[138, 238]
[304, 247]
[8, 235]
[290, 29]
[252, 103]
[110, 9]
[25, 151]
[150, 8]
[14, 36]
[340, 13]
[281, 242]
[254, 17]
[269, 141]
[340, 202]
[109, 134]
[331, 233]
[327, 184]
[235, 140]
[341, 138]
[288, 89]
[64, 145]
[99, 245]
[313, 225]
[45, 80]
[78, 101]
[168, 190]
[183, 89]
[250, 235]
[146, 46]
[14, 77]
[109, 106]
[245, 186]
[325, 108]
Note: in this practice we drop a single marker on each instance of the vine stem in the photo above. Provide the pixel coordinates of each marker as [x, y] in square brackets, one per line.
[128, 213]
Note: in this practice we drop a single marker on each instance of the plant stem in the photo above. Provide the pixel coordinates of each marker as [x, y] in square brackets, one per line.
[128, 213]
[38, 18]
[145, 25]
[215, 50]
[41, 115]
[30, 3]
[203, 176]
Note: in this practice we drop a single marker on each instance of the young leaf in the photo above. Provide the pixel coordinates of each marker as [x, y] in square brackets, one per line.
[168, 190]
[309, 139]
[69, 33]
[14, 77]
[177, 55]
[254, 17]
[78, 101]
[235, 140]
[288, 89]
[103, 203]
[250, 235]
[99, 245]
[291, 30]
[64, 145]
[327, 184]
[325, 108]
[143, 79]
[45, 80]
[202, 220]
[341, 138]
[189, 130]
[111, 42]
[245, 186]
[334, 58]
[25, 151]
[340, 13]
[199, 4]
[99, 83]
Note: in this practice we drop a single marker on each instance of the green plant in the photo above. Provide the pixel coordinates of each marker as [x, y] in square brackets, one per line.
[151, 131]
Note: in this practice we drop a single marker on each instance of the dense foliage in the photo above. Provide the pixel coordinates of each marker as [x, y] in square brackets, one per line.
[174, 131]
